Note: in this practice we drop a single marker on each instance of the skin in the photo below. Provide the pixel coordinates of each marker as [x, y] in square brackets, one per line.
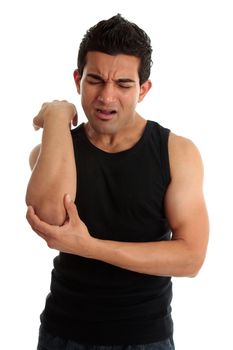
[102, 94]
[111, 84]
[53, 172]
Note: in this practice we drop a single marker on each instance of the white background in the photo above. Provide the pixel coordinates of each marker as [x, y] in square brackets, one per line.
[192, 95]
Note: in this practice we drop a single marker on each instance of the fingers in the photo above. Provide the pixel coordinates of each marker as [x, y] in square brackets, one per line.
[34, 123]
[38, 225]
[55, 108]
[71, 208]
[30, 212]
[36, 127]
[29, 217]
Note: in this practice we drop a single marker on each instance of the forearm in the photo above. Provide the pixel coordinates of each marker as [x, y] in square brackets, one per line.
[166, 258]
[54, 173]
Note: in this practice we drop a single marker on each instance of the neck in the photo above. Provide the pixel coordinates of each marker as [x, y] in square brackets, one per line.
[123, 139]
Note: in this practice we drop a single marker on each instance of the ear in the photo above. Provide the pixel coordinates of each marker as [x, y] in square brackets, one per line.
[144, 88]
[77, 79]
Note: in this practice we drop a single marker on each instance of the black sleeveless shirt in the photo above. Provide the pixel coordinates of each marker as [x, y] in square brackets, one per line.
[120, 197]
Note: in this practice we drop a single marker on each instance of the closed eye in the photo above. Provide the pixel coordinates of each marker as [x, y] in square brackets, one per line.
[124, 86]
[125, 83]
[94, 79]
[94, 82]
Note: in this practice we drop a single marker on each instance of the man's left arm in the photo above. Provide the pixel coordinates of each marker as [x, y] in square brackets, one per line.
[187, 215]
[186, 212]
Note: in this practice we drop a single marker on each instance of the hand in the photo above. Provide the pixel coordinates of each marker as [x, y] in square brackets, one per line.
[56, 109]
[72, 237]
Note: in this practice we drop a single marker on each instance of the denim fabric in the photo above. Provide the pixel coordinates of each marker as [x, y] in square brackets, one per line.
[49, 342]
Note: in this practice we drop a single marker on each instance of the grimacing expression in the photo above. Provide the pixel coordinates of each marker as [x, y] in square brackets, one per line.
[110, 90]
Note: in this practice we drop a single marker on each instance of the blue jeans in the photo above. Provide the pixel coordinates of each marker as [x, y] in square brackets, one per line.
[49, 342]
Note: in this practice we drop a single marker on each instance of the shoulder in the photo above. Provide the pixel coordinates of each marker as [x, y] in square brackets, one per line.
[184, 156]
[180, 145]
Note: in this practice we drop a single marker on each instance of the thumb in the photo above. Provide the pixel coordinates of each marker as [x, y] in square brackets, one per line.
[34, 123]
[70, 207]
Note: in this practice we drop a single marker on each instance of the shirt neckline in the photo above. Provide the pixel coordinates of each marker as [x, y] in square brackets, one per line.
[116, 154]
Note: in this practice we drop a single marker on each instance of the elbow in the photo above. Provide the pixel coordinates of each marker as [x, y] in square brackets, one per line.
[53, 215]
[48, 211]
[194, 266]
[193, 273]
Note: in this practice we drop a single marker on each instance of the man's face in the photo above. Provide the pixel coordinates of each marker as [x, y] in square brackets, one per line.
[110, 90]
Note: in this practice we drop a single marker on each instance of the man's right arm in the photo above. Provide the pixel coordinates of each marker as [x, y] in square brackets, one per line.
[53, 163]
[34, 156]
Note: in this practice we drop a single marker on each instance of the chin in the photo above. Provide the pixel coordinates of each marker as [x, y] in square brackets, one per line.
[102, 126]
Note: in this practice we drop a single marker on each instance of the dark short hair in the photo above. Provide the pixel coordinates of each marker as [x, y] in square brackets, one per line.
[117, 36]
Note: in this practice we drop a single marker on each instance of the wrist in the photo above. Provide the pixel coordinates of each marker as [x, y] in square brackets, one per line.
[102, 250]
[61, 110]
[56, 120]
[92, 248]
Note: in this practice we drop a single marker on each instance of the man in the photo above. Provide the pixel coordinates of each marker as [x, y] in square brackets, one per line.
[120, 197]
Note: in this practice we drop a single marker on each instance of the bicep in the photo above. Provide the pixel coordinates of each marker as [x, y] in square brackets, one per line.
[184, 202]
[34, 156]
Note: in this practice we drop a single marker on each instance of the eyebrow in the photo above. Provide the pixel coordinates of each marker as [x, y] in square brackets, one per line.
[120, 80]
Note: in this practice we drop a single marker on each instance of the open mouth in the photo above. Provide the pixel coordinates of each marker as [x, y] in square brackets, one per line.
[105, 114]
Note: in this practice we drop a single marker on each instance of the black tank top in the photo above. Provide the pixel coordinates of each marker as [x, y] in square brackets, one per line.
[120, 197]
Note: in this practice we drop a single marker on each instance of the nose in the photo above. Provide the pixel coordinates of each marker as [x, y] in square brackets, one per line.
[107, 93]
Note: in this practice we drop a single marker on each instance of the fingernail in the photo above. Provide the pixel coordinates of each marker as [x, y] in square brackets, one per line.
[35, 127]
[68, 198]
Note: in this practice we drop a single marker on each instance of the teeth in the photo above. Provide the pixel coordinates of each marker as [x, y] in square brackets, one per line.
[105, 111]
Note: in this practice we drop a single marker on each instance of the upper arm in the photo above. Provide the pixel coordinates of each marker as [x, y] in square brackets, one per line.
[34, 156]
[184, 201]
